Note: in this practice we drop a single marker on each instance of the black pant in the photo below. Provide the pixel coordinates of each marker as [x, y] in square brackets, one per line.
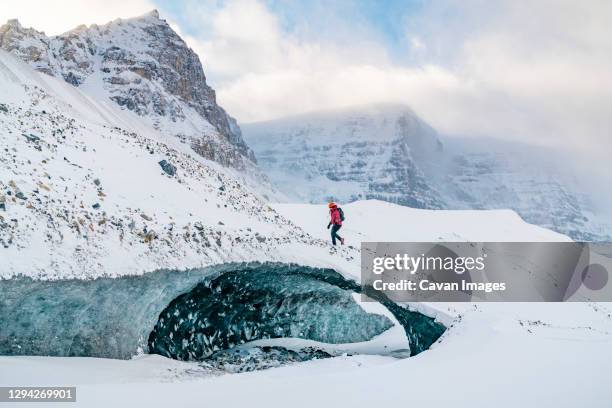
[334, 233]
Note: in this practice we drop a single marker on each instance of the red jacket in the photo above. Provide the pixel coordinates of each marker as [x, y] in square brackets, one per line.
[335, 216]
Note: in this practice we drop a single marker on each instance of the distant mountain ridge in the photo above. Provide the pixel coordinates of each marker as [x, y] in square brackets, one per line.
[387, 152]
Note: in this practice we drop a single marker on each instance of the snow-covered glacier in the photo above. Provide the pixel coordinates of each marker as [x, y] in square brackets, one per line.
[105, 230]
[545, 349]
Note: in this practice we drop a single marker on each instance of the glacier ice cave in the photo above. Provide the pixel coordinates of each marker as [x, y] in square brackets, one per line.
[197, 314]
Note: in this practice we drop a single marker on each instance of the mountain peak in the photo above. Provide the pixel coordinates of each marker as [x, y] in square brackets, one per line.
[13, 26]
[144, 66]
[14, 23]
[152, 14]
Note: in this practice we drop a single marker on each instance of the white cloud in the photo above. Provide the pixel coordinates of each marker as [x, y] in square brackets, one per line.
[58, 16]
[261, 72]
[417, 43]
[545, 68]
[534, 72]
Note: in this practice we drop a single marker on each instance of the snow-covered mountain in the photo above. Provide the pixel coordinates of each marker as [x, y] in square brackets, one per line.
[388, 152]
[118, 239]
[348, 155]
[528, 180]
[88, 189]
[144, 66]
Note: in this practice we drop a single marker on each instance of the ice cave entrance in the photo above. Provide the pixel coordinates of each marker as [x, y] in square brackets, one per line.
[205, 314]
[241, 306]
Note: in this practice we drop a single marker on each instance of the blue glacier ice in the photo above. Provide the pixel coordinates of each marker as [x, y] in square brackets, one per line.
[240, 360]
[242, 306]
[190, 315]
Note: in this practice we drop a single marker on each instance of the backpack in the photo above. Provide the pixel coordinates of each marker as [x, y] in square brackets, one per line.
[341, 213]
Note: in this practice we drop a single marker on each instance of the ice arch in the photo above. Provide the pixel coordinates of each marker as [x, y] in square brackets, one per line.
[186, 314]
[242, 306]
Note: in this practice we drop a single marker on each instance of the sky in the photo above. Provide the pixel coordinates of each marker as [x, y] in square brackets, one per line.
[533, 71]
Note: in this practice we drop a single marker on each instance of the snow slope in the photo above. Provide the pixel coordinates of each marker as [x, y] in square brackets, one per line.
[85, 196]
[375, 220]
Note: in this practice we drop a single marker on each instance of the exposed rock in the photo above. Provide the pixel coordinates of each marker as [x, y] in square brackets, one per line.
[150, 236]
[168, 167]
[31, 138]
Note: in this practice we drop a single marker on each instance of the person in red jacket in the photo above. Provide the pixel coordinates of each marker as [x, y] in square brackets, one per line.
[336, 222]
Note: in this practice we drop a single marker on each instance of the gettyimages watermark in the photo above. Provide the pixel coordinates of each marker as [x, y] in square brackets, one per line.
[488, 271]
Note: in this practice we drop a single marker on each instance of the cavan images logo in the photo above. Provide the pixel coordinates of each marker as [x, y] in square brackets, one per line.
[503, 271]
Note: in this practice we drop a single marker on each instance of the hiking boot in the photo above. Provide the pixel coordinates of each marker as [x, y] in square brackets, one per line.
[342, 241]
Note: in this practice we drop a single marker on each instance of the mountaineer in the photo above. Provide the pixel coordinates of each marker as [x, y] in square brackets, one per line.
[337, 216]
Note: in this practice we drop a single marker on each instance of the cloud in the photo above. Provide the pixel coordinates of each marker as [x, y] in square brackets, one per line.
[533, 72]
[544, 70]
[262, 72]
[58, 16]
[537, 73]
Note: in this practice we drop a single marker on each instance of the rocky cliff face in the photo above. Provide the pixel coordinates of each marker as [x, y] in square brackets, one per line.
[145, 67]
[347, 155]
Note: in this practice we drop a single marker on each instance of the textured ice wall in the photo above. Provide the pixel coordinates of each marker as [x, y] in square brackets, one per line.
[114, 317]
[242, 306]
